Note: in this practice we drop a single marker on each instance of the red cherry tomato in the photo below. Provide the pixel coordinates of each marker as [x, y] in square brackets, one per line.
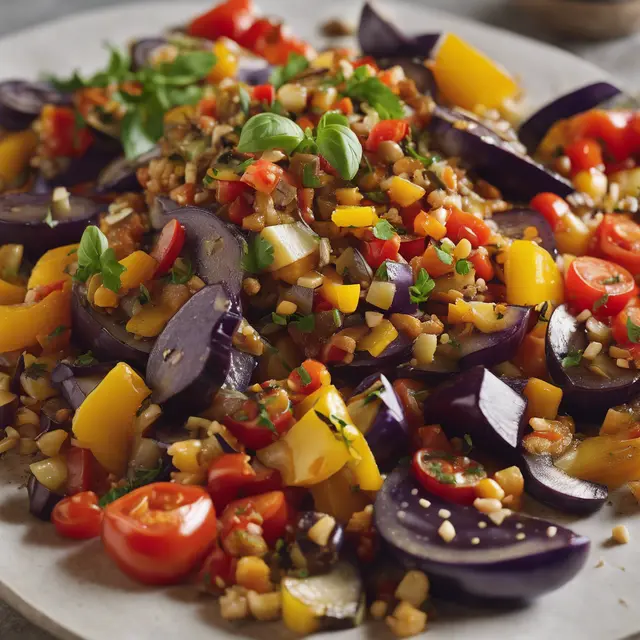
[392, 130]
[218, 571]
[158, 533]
[448, 476]
[609, 128]
[411, 246]
[272, 508]
[262, 175]
[80, 464]
[228, 190]
[168, 247]
[551, 206]
[623, 328]
[482, 264]
[255, 36]
[461, 224]
[407, 391]
[60, 134]
[230, 19]
[619, 240]
[278, 45]
[78, 516]
[432, 437]
[601, 286]
[264, 94]
[376, 251]
[585, 154]
[313, 376]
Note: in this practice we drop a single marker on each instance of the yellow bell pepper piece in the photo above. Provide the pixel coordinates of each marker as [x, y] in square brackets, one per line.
[573, 235]
[296, 615]
[226, 62]
[344, 297]
[354, 216]
[531, 275]
[150, 320]
[379, 338]
[543, 399]
[307, 454]
[340, 495]
[180, 115]
[139, 268]
[468, 78]
[485, 316]
[104, 421]
[11, 293]
[105, 298]
[21, 324]
[53, 265]
[404, 192]
[16, 150]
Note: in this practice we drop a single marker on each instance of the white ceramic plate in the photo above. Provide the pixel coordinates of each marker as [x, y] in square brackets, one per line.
[75, 592]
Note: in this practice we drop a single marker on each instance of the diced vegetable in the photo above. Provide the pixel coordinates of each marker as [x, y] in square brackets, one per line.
[11, 293]
[379, 338]
[404, 192]
[363, 216]
[16, 150]
[344, 297]
[290, 242]
[53, 266]
[543, 399]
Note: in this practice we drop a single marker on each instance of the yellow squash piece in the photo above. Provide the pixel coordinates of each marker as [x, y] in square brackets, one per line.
[53, 266]
[11, 293]
[16, 150]
[543, 399]
[104, 420]
[354, 216]
[531, 275]
[379, 338]
[226, 61]
[150, 320]
[344, 297]
[468, 78]
[404, 192]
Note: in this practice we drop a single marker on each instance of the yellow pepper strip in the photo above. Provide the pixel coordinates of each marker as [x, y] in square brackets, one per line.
[543, 399]
[344, 297]
[53, 265]
[339, 495]
[20, 324]
[55, 341]
[354, 217]
[404, 192]
[468, 78]
[226, 62]
[16, 150]
[531, 275]
[379, 339]
[485, 316]
[140, 267]
[150, 320]
[104, 421]
[11, 293]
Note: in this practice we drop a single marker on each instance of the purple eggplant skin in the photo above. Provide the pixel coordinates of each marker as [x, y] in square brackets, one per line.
[585, 394]
[50, 419]
[8, 411]
[379, 37]
[489, 349]
[401, 275]
[15, 386]
[41, 500]
[102, 335]
[478, 403]
[499, 569]
[440, 370]
[22, 222]
[492, 158]
[191, 357]
[414, 69]
[388, 432]
[552, 486]
[120, 175]
[76, 382]
[512, 223]
[241, 367]
[532, 131]
[216, 249]
[21, 102]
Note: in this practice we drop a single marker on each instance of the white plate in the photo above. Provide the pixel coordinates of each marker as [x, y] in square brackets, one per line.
[75, 592]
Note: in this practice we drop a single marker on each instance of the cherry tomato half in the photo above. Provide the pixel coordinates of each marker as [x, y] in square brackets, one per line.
[218, 571]
[461, 224]
[313, 376]
[158, 533]
[230, 19]
[620, 328]
[601, 286]
[619, 240]
[451, 477]
[78, 516]
[168, 246]
[585, 154]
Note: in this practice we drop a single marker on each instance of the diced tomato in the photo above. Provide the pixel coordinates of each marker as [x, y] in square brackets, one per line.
[432, 437]
[609, 128]
[272, 507]
[451, 477]
[43, 290]
[78, 516]
[410, 213]
[227, 475]
[407, 390]
[228, 190]
[168, 247]
[239, 209]
[218, 571]
[326, 167]
[315, 375]
[158, 534]
[305, 204]
[262, 175]
[278, 45]
[411, 246]
[620, 327]
[585, 154]
[80, 467]
[619, 240]
[461, 224]
[206, 107]
[551, 206]
[60, 133]
[345, 105]
[434, 266]
[264, 94]
[601, 286]
[392, 130]
[376, 251]
[482, 264]
[255, 36]
[230, 19]
[360, 62]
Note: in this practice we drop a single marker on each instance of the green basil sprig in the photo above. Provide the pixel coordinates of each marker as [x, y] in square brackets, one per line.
[95, 256]
[267, 131]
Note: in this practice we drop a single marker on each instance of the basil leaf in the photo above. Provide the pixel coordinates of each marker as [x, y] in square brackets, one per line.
[373, 91]
[443, 255]
[633, 331]
[135, 138]
[92, 245]
[382, 273]
[270, 131]
[295, 65]
[184, 69]
[419, 292]
[384, 230]
[341, 148]
[333, 117]
[111, 270]
[244, 99]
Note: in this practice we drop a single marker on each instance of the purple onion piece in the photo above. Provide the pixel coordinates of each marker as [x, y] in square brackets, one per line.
[41, 500]
[21, 102]
[489, 349]
[585, 393]
[492, 158]
[532, 131]
[120, 175]
[513, 223]
[253, 70]
[499, 568]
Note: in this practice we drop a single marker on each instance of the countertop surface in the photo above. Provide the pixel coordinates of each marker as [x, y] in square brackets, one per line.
[618, 57]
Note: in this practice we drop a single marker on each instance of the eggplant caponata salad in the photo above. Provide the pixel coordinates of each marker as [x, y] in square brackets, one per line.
[301, 328]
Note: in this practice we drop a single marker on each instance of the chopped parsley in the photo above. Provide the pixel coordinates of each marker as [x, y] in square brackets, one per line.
[242, 167]
[265, 421]
[633, 331]
[384, 230]
[601, 301]
[181, 272]
[304, 324]
[35, 370]
[424, 285]
[572, 359]
[372, 396]
[382, 273]
[426, 161]
[85, 359]
[612, 279]
[141, 478]
[258, 255]
[376, 196]
[304, 376]
[444, 253]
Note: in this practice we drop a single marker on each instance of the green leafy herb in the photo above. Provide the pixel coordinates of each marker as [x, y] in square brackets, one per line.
[384, 230]
[72, 252]
[49, 221]
[463, 267]
[58, 331]
[372, 90]
[341, 148]
[372, 396]
[382, 273]
[426, 161]
[111, 270]
[181, 272]
[265, 421]
[337, 319]
[419, 292]
[333, 117]
[633, 331]
[258, 255]
[376, 196]
[601, 301]
[85, 359]
[95, 256]
[266, 131]
[141, 478]
[443, 254]
[572, 359]
[278, 319]
[468, 442]
[245, 101]
[145, 296]
[295, 65]
[35, 370]
[612, 279]
[304, 324]
[309, 178]
[435, 469]
[242, 167]
[305, 378]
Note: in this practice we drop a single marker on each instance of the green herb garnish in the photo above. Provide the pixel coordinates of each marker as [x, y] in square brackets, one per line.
[376, 196]
[444, 254]
[267, 131]
[601, 301]
[181, 272]
[612, 279]
[35, 370]
[258, 255]
[572, 359]
[419, 292]
[294, 66]
[95, 256]
[279, 319]
[85, 359]
[304, 324]
[141, 478]
[245, 101]
[58, 331]
[381, 272]
[144, 297]
[633, 331]
[265, 421]
[384, 230]
[305, 378]
[49, 221]
[372, 90]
